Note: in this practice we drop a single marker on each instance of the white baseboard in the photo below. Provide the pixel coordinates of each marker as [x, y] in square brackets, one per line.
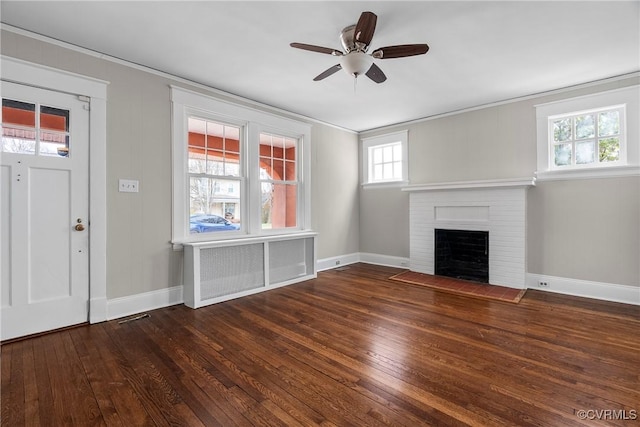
[584, 288]
[97, 310]
[369, 258]
[386, 260]
[337, 261]
[134, 304]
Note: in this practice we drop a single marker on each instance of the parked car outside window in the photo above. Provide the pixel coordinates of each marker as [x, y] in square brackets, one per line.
[203, 223]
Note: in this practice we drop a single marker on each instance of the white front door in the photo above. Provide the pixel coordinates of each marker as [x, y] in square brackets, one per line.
[44, 207]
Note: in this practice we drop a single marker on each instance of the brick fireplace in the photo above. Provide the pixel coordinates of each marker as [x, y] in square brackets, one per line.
[496, 206]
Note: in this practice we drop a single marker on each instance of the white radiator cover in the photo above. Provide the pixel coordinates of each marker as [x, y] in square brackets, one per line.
[217, 271]
[498, 207]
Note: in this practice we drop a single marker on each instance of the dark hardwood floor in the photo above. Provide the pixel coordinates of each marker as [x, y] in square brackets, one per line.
[350, 348]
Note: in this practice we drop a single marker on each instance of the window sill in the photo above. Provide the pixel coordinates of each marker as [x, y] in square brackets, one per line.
[391, 184]
[588, 173]
[244, 239]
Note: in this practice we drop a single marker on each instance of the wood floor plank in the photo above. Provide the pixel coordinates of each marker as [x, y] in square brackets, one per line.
[350, 348]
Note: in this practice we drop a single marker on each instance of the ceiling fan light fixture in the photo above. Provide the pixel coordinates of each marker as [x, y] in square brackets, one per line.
[356, 63]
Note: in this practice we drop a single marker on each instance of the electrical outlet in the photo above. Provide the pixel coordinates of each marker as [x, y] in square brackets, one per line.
[338, 262]
[543, 284]
[128, 186]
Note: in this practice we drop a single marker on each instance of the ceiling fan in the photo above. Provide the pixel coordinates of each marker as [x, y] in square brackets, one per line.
[355, 60]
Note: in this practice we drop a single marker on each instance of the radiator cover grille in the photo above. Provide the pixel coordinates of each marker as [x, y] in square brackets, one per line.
[231, 269]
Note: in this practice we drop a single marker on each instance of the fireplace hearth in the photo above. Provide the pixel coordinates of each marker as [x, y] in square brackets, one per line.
[462, 254]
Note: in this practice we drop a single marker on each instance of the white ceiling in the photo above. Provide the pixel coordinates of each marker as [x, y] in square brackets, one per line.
[480, 52]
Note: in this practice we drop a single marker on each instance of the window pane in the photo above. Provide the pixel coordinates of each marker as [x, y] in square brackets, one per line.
[279, 205]
[214, 205]
[290, 171]
[609, 123]
[387, 171]
[377, 155]
[397, 152]
[232, 167]
[215, 162]
[18, 127]
[22, 141]
[397, 170]
[197, 160]
[609, 149]
[54, 119]
[585, 152]
[54, 144]
[585, 126]
[377, 173]
[18, 113]
[290, 148]
[387, 154]
[562, 154]
[562, 130]
[215, 134]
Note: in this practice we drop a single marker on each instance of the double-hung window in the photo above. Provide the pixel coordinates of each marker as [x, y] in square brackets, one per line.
[237, 171]
[215, 175]
[278, 181]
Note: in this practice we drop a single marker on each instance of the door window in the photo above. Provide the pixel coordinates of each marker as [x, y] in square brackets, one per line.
[45, 133]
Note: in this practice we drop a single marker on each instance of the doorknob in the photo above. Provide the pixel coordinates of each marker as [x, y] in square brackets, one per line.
[79, 227]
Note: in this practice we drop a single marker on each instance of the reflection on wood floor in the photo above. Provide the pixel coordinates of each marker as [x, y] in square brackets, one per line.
[351, 348]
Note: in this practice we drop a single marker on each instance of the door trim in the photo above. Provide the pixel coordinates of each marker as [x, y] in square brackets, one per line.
[30, 74]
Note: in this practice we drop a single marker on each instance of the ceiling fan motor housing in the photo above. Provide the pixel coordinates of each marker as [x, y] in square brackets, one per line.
[347, 38]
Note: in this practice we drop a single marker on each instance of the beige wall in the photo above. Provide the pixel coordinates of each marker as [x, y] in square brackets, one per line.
[334, 191]
[565, 238]
[139, 255]
[586, 229]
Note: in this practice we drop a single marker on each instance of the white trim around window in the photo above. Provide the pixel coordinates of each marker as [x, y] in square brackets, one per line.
[252, 122]
[626, 100]
[385, 160]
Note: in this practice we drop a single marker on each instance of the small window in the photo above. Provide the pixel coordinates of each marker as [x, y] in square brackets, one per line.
[587, 139]
[590, 136]
[385, 159]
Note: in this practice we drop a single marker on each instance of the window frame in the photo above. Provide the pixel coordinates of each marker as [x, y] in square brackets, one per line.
[373, 142]
[627, 98]
[252, 122]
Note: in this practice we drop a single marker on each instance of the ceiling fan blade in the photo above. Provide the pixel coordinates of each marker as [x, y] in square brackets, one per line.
[318, 49]
[327, 72]
[365, 28]
[376, 74]
[400, 51]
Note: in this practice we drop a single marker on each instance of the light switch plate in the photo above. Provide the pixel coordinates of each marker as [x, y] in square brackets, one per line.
[128, 186]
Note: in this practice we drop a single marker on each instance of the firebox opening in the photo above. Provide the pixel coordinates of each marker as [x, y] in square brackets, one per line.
[462, 254]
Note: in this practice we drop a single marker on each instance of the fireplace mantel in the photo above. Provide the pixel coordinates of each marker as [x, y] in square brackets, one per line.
[467, 185]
